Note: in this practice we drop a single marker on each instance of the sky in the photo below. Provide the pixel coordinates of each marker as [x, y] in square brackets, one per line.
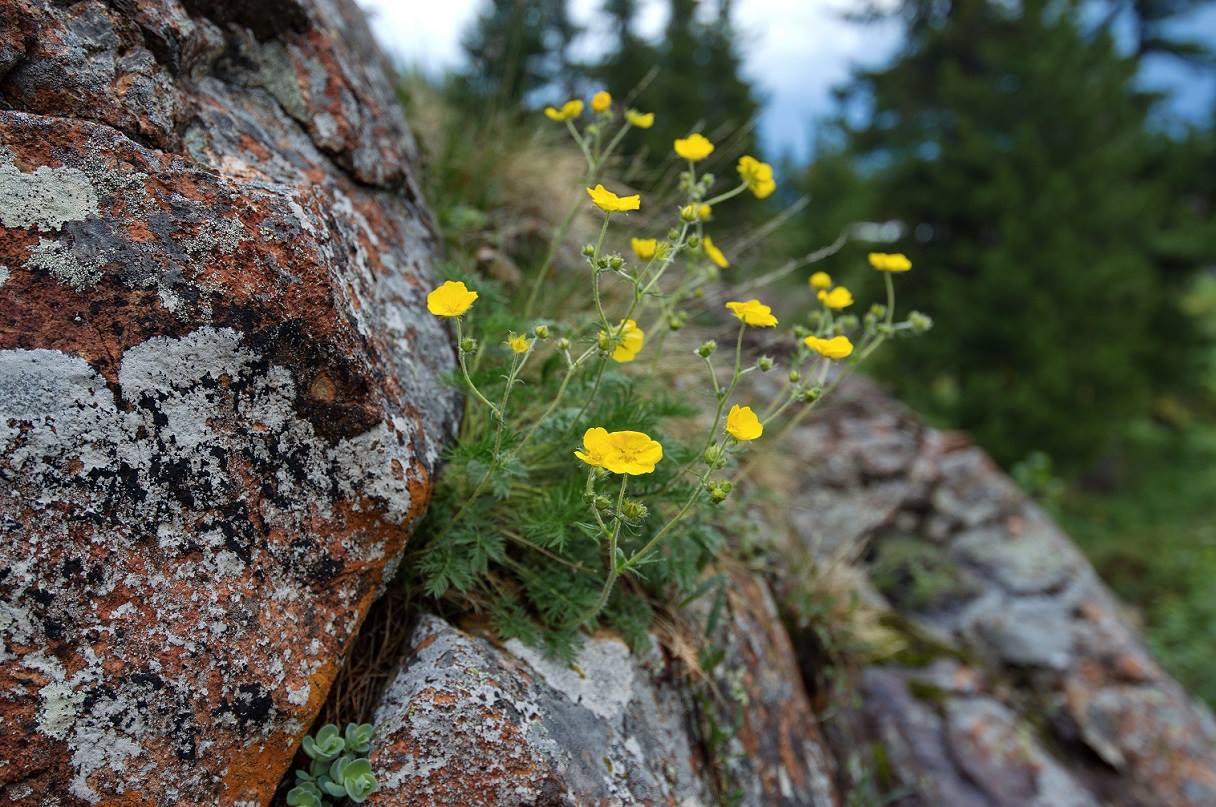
[795, 51]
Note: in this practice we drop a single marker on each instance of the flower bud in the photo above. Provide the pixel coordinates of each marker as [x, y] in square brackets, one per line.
[541, 331]
[634, 510]
[615, 261]
[765, 363]
[707, 349]
[694, 241]
[919, 322]
[800, 332]
[563, 344]
[885, 330]
[602, 502]
[848, 322]
[688, 213]
[811, 395]
[699, 294]
[718, 491]
[815, 319]
[677, 319]
[795, 376]
[588, 250]
[673, 235]
[878, 310]
[715, 456]
[468, 344]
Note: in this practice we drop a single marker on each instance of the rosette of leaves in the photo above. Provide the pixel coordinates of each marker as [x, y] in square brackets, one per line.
[339, 769]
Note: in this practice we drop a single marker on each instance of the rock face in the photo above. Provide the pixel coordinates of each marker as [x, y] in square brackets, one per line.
[219, 397]
[1044, 694]
[465, 722]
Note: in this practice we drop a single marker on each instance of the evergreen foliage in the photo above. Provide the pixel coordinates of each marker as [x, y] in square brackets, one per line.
[1014, 146]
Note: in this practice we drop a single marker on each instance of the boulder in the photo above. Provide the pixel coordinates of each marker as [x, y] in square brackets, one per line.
[220, 404]
[467, 722]
[1071, 708]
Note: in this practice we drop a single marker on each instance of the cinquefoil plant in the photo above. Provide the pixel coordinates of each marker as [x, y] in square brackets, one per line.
[564, 504]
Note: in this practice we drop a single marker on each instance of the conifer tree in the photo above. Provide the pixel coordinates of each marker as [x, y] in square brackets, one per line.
[1013, 145]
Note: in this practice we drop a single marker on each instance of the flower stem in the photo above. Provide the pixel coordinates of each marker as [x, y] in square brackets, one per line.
[465, 371]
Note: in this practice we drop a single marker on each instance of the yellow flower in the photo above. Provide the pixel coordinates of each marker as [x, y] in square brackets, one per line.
[887, 262]
[569, 111]
[601, 101]
[838, 347]
[632, 339]
[624, 452]
[754, 313]
[609, 202]
[715, 254]
[839, 297]
[700, 212]
[450, 300]
[519, 343]
[820, 281]
[757, 175]
[639, 119]
[694, 147]
[742, 423]
[644, 248]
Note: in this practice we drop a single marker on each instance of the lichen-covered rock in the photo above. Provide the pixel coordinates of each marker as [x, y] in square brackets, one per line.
[466, 722]
[969, 560]
[219, 394]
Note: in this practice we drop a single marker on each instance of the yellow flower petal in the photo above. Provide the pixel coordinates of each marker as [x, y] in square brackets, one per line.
[632, 338]
[820, 281]
[519, 343]
[609, 202]
[890, 262]
[451, 299]
[714, 254]
[757, 176]
[837, 347]
[601, 101]
[595, 446]
[837, 298]
[742, 423]
[753, 313]
[632, 453]
[644, 248]
[693, 148]
[569, 111]
[642, 120]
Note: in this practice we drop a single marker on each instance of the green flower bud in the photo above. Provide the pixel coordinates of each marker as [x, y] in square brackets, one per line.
[602, 503]
[634, 510]
[615, 261]
[878, 310]
[673, 235]
[795, 376]
[811, 395]
[715, 456]
[815, 319]
[718, 491]
[468, 345]
[765, 363]
[800, 332]
[693, 242]
[707, 349]
[848, 322]
[541, 331]
[588, 250]
[563, 344]
[920, 322]
[885, 330]
[676, 320]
